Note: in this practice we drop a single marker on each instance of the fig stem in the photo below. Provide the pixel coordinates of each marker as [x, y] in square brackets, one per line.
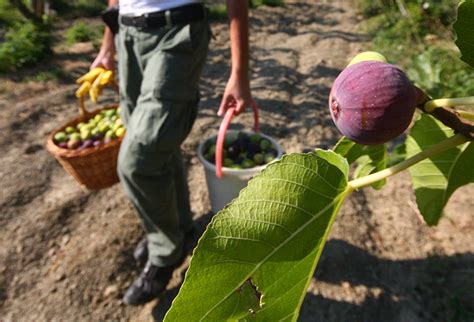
[466, 115]
[431, 105]
[444, 145]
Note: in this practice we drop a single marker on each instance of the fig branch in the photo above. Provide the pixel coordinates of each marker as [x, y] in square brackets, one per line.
[466, 115]
[431, 105]
[444, 145]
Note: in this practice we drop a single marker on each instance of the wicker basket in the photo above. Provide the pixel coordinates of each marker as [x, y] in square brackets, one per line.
[93, 168]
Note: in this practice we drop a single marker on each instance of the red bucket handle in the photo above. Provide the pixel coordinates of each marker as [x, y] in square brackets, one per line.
[223, 130]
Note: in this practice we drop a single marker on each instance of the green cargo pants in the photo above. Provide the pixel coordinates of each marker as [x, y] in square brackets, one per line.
[159, 70]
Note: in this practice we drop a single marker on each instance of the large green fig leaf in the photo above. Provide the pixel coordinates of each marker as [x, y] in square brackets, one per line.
[258, 255]
[369, 158]
[464, 28]
[435, 179]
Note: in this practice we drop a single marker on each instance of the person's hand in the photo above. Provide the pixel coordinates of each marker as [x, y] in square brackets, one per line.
[237, 94]
[105, 59]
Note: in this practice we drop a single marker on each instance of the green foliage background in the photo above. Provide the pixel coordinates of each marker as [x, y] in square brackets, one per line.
[421, 42]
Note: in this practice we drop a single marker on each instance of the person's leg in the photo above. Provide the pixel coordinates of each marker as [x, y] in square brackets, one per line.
[171, 60]
[129, 71]
[147, 168]
[182, 193]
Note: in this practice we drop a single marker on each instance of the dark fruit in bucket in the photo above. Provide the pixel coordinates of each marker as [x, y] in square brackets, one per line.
[372, 102]
[241, 150]
[247, 164]
[258, 158]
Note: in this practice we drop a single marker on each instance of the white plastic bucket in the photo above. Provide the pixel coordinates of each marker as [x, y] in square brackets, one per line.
[223, 190]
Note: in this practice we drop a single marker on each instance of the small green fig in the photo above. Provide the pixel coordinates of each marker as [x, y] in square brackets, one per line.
[247, 163]
[70, 130]
[60, 137]
[258, 158]
[265, 144]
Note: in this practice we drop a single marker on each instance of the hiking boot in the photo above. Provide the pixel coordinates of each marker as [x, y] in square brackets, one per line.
[151, 283]
[141, 250]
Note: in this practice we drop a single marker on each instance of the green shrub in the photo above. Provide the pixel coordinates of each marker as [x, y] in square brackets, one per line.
[403, 40]
[439, 72]
[80, 32]
[8, 14]
[271, 3]
[78, 8]
[25, 45]
[218, 12]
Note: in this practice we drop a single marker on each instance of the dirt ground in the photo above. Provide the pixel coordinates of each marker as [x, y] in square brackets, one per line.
[66, 254]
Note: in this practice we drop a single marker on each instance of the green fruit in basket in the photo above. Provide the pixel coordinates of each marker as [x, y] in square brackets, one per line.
[114, 118]
[103, 128]
[85, 135]
[110, 134]
[92, 123]
[75, 137]
[258, 158]
[80, 125]
[73, 144]
[247, 163]
[70, 130]
[86, 127]
[265, 144]
[95, 131]
[120, 132]
[60, 137]
[118, 110]
[119, 122]
[110, 113]
[98, 118]
[255, 137]
[227, 163]
[269, 157]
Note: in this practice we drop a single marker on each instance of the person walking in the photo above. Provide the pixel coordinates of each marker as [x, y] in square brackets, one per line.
[162, 47]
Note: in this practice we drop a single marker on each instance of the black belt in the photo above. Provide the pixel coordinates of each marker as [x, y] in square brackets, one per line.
[176, 16]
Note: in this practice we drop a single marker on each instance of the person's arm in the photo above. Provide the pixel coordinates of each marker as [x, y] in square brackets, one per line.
[237, 92]
[106, 56]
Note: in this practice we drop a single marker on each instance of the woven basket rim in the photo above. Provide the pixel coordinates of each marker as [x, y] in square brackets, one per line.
[65, 153]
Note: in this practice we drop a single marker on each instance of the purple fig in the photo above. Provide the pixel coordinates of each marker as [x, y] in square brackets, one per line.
[87, 144]
[62, 145]
[97, 143]
[372, 102]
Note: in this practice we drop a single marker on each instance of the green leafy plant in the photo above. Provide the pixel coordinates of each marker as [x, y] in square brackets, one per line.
[258, 255]
[25, 45]
[271, 3]
[81, 32]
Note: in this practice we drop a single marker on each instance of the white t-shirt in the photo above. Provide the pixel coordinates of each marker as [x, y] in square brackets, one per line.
[140, 7]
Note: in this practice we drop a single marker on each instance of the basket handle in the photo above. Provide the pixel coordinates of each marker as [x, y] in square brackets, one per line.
[84, 114]
[223, 130]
